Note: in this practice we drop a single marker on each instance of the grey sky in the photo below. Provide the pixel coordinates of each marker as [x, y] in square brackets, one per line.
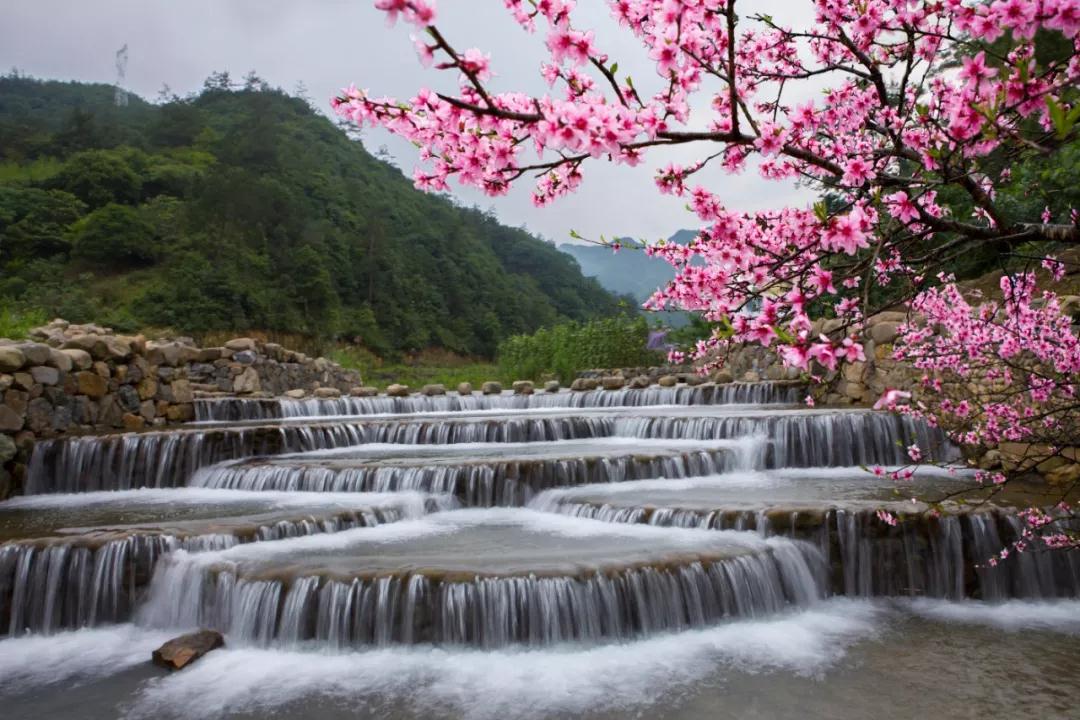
[327, 44]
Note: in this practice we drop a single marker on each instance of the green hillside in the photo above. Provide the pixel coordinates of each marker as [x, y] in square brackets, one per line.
[244, 209]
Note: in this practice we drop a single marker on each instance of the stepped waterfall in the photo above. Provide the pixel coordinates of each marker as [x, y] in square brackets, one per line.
[508, 531]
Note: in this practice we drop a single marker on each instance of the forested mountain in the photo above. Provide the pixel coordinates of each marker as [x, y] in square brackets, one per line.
[242, 208]
[629, 271]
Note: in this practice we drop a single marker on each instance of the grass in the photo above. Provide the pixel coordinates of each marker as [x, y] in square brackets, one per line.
[16, 324]
[427, 367]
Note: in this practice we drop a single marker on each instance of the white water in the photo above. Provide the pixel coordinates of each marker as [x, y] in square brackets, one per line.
[560, 682]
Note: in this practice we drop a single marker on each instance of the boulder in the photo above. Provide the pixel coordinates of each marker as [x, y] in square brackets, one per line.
[100, 347]
[640, 382]
[10, 421]
[583, 384]
[240, 344]
[364, 391]
[147, 388]
[297, 394]
[11, 358]
[884, 333]
[35, 353]
[246, 382]
[39, 415]
[91, 384]
[182, 392]
[245, 357]
[170, 354]
[397, 390]
[327, 392]
[6, 381]
[80, 359]
[209, 355]
[133, 422]
[433, 389]
[45, 375]
[464, 388]
[180, 652]
[551, 386]
[183, 412]
[613, 382]
[723, 377]
[60, 360]
[752, 376]
[491, 387]
[523, 387]
[668, 381]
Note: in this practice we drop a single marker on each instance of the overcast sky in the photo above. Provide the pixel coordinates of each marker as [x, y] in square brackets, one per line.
[326, 44]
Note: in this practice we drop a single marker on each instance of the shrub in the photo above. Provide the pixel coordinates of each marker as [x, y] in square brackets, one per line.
[567, 349]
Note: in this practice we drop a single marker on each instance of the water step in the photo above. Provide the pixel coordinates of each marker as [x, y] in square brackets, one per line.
[483, 475]
[68, 562]
[933, 553]
[234, 409]
[798, 438]
[485, 578]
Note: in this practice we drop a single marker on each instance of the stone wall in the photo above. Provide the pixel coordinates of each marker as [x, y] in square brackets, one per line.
[74, 379]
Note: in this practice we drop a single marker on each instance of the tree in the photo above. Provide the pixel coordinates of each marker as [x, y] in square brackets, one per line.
[99, 177]
[115, 236]
[930, 107]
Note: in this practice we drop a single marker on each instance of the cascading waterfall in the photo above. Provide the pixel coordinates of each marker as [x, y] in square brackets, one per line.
[807, 439]
[59, 583]
[249, 409]
[944, 557]
[168, 459]
[496, 484]
[418, 607]
[163, 459]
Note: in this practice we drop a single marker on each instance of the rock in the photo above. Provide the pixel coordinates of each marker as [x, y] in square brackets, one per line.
[17, 400]
[240, 344]
[147, 410]
[91, 384]
[100, 347]
[853, 372]
[364, 391]
[128, 397]
[297, 394]
[551, 386]
[170, 354]
[464, 388]
[35, 353]
[723, 377]
[11, 358]
[7, 449]
[692, 379]
[1064, 474]
[45, 375]
[668, 381]
[491, 388]
[10, 421]
[613, 382]
[433, 389]
[39, 415]
[182, 392]
[884, 333]
[640, 382]
[147, 387]
[991, 460]
[584, 384]
[180, 652]
[60, 360]
[327, 392]
[80, 359]
[6, 381]
[523, 387]
[247, 381]
[184, 412]
[398, 390]
[209, 355]
[133, 422]
[245, 357]
[751, 376]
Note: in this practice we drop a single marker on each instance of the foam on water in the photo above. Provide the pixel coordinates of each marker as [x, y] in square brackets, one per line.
[74, 657]
[559, 682]
[1013, 615]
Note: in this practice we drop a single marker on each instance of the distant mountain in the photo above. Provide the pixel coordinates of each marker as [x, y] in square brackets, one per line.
[244, 209]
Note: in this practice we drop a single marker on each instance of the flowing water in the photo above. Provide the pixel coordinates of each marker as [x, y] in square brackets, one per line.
[688, 552]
